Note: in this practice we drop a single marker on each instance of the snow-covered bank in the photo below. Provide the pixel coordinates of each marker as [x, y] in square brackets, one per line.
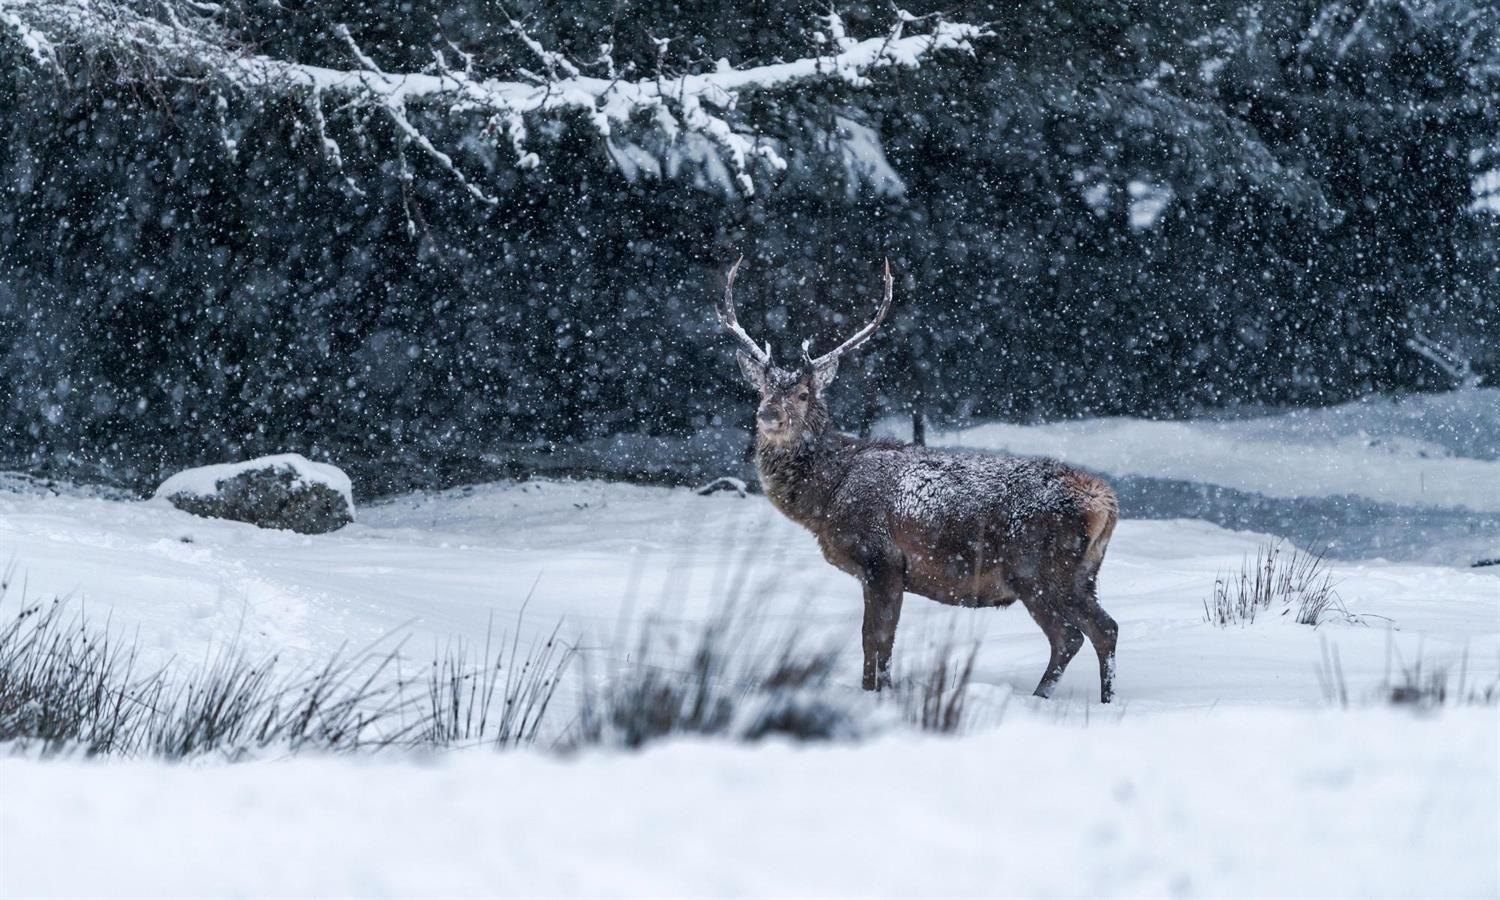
[1424, 450]
[1372, 803]
[1407, 478]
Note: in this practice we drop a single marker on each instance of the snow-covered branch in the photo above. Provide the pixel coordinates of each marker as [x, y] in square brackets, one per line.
[185, 40]
[34, 40]
[1449, 362]
[700, 104]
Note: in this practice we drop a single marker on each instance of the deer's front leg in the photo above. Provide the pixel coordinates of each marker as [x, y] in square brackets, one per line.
[883, 590]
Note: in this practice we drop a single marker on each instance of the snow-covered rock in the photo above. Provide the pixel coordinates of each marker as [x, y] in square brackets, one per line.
[283, 491]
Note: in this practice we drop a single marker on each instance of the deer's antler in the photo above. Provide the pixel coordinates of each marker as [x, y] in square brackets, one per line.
[731, 322]
[860, 336]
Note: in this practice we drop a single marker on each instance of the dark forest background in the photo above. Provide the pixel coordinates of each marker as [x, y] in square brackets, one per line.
[1152, 208]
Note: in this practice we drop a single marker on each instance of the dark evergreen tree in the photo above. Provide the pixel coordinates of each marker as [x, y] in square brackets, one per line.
[1117, 207]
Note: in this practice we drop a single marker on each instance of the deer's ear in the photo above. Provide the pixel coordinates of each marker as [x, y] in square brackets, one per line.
[753, 371]
[822, 375]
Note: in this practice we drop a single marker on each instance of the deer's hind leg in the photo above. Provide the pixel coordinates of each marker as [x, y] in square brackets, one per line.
[1102, 632]
[1062, 633]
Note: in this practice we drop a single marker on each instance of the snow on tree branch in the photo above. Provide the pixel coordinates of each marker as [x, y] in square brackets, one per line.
[183, 41]
[35, 42]
[1451, 363]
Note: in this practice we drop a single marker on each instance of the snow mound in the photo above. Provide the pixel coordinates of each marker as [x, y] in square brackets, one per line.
[281, 491]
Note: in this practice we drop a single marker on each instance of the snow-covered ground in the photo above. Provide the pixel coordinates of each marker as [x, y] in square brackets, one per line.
[1223, 769]
[1265, 803]
[600, 556]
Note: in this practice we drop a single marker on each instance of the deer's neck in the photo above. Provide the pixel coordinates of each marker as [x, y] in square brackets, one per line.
[800, 478]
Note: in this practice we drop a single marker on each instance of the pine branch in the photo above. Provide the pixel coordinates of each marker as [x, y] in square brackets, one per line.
[191, 45]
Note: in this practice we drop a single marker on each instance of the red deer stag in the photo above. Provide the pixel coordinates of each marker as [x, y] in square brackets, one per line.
[961, 528]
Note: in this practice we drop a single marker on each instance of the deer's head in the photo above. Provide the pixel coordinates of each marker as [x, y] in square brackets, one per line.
[791, 400]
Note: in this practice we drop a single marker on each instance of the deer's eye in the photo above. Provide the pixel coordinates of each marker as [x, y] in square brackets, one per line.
[803, 396]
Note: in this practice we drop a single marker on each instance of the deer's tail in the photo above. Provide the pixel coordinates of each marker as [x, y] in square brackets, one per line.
[1101, 510]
